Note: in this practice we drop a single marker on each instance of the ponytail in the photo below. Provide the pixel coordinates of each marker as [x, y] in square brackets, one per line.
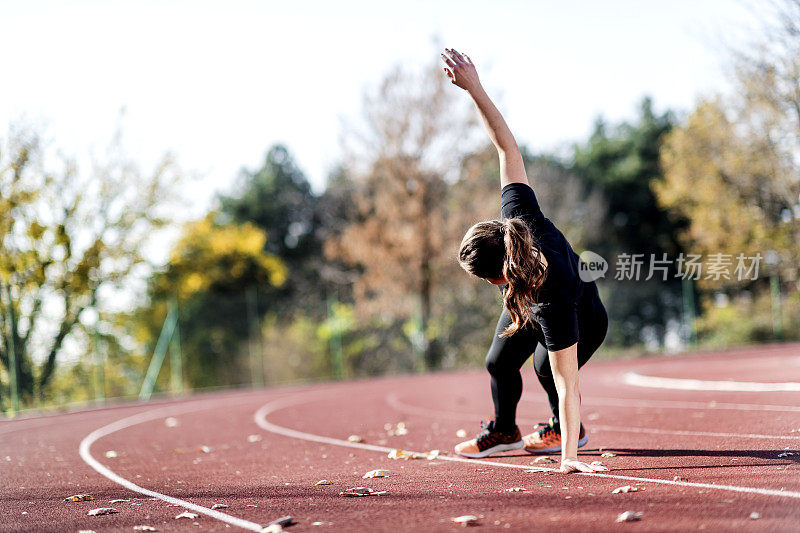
[524, 270]
[506, 248]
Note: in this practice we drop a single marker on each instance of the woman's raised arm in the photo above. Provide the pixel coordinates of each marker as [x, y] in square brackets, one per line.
[462, 73]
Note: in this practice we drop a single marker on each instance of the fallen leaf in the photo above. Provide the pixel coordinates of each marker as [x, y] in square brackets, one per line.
[361, 491]
[517, 489]
[79, 498]
[120, 500]
[404, 454]
[171, 422]
[378, 473]
[187, 514]
[283, 521]
[204, 449]
[786, 454]
[323, 482]
[625, 489]
[433, 454]
[629, 516]
[461, 434]
[101, 511]
[253, 438]
[355, 438]
[755, 516]
[466, 520]
[144, 528]
[111, 454]
[544, 459]
[677, 478]
[608, 454]
[539, 469]
[274, 528]
[219, 506]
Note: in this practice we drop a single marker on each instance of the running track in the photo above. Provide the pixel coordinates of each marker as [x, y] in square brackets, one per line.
[724, 444]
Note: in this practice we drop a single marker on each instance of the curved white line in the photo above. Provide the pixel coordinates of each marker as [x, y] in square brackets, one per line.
[260, 418]
[638, 380]
[423, 411]
[679, 404]
[85, 453]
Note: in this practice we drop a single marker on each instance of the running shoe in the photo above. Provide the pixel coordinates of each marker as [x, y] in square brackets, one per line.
[547, 439]
[490, 441]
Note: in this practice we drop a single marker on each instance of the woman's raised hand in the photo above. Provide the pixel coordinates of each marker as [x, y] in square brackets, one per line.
[573, 465]
[460, 70]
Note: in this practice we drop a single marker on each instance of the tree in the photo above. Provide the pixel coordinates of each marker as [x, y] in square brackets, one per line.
[400, 241]
[66, 235]
[623, 162]
[211, 270]
[278, 199]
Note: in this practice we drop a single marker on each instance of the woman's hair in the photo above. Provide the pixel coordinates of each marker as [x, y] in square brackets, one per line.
[506, 248]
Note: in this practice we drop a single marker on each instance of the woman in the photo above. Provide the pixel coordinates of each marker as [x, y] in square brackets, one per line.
[548, 310]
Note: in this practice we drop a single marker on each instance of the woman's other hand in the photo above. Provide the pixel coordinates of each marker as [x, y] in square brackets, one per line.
[460, 70]
[573, 465]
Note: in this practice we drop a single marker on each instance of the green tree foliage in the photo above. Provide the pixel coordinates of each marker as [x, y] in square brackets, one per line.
[278, 199]
[623, 162]
[65, 235]
[211, 270]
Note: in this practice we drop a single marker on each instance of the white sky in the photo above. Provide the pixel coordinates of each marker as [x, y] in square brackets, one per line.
[219, 82]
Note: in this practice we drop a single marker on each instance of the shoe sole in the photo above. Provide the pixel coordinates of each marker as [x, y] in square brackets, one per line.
[494, 449]
[556, 449]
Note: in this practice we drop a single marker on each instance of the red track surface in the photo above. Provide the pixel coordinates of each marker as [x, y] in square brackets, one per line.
[730, 439]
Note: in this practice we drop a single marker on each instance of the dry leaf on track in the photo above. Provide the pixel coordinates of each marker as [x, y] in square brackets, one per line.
[171, 422]
[102, 511]
[111, 454]
[461, 434]
[404, 454]
[187, 514]
[625, 489]
[754, 516]
[355, 438]
[204, 449]
[254, 438]
[629, 516]
[544, 459]
[219, 506]
[466, 520]
[361, 491]
[378, 473]
[608, 454]
[144, 528]
[517, 489]
[79, 498]
[323, 482]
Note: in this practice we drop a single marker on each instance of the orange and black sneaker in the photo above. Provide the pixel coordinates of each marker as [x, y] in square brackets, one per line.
[547, 439]
[490, 441]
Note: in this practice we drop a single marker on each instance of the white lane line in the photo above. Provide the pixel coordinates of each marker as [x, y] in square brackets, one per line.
[393, 401]
[85, 453]
[260, 418]
[638, 380]
[678, 404]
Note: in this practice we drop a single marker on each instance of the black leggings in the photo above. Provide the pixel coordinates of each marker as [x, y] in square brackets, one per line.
[508, 354]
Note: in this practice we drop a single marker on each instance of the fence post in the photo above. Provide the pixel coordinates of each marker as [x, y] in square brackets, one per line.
[158, 355]
[688, 308]
[176, 356]
[337, 358]
[256, 366]
[12, 354]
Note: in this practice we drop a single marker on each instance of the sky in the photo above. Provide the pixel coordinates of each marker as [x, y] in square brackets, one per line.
[217, 83]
